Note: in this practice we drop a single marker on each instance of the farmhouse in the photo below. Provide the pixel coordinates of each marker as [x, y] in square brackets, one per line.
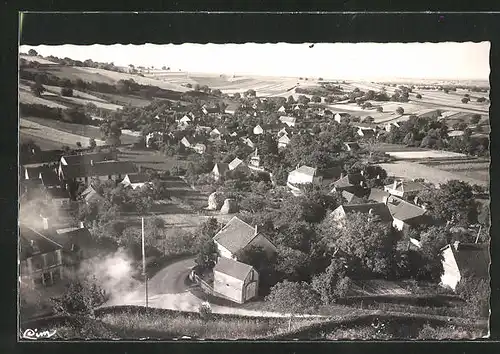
[406, 215]
[354, 183]
[236, 281]
[377, 210]
[405, 189]
[236, 236]
[90, 195]
[107, 170]
[283, 141]
[135, 180]
[290, 121]
[34, 157]
[237, 164]
[461, 259]
[303, 175]
[220, 170]
[85, 159]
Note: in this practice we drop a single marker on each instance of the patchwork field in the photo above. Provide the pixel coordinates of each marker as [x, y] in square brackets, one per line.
[44, 144]
[413, 170]
[150, 159]
[126, 100]
[424, 154]
[469, 168]
[29, 98]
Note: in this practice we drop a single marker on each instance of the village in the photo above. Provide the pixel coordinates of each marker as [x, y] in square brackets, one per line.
[261, 206]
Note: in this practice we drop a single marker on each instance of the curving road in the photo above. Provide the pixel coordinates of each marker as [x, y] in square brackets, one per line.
[167, 289]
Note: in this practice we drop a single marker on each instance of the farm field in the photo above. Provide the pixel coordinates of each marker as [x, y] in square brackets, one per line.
[28, 97]
[150, 159]
[43, 143]
[413, 170]
[126, 100]
[58, 136]
[40, 60]
[84, 132]
[424, 154]
[470, 168]
[76, 93]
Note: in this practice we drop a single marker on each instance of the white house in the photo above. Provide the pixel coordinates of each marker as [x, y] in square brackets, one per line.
[290, 121]
[237, 235]
[235, 281]
[379, 210]
[135, 180]
[460, 259]
[283, 141]
[258, 130]
[300, 177]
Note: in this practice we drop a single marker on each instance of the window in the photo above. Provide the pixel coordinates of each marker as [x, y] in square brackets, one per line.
[47, 279]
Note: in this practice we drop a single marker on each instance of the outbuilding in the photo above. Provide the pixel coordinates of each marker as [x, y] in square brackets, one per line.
[236, 281]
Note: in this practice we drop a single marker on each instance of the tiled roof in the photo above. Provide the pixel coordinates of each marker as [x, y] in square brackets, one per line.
[235, 235]
[221, 167]
[58, 193]
[349, 180]
[284, 139]
[84, 159]
[472, 258]
[99, 169]
[407, 186]
[233, 268]
[379, 209]
[402, 210]
[310, 171]
[350, 197]
[288, 119]
[138, 178]
[44, 156]
[378, 195]
[34, 242]
[235, 163]
[34, 172]
[49, 178]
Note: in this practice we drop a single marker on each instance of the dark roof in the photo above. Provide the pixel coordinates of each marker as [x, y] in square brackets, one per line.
[49, 178]
[99, 169]
[330, 173]
[233, 268]
[44, 156]
[353, 145]
[378, 195]
[472, 258]
[57, 193]
[351, 198]
[235, 235]
[84, 159]
[407, 186]
[379, 209]
[402, 210]
[138, 178]
[33, 242]
[351, 179]
[222, 167]
[78, 236]
[34, 171]
[90, 194]
[212, 109]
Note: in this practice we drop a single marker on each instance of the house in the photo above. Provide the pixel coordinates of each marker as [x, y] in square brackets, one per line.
[34, 157]
[354, 183]
[258, 130]
[462, 259]
[406, 215]
[455, 133]
[282, 132]
[237, 164]
[235, 281]
[351, 198]
[283, 141]
[341, 117]
[302, 176]
[290, 121]
[428, 113]
[59, 197]
[50, 178]
[136, 180]
[352, 146]
[41, 259]
[282, 109]
[185, 142]
[220, 170]
[378, 195]
[90, 195]
[200, 148]
[405, 189]
[248, 142]
[254, 159]
[107, 170]
[184, 122]
[215, 134]
[389, 126]
[210, 110]
[236, 236]
[366, 132]
[39, 171]
[85, 159]
[379, 210]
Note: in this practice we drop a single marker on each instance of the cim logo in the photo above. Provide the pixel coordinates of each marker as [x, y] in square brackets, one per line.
[33, 334]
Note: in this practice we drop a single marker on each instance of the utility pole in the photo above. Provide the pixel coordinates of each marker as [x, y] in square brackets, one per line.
[478, 233]
[144, 263]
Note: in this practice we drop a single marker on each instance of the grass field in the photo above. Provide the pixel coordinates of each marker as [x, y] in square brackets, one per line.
[126, 100]
[150, 159]
[44, 144]
[83, 131]
[412, 170]
[469, 168]
[29, 98]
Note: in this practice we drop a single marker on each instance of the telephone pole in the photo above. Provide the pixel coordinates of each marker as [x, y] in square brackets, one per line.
[144, 263]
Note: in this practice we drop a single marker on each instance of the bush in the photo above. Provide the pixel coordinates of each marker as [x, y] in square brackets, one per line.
[418, 95]
[465, 100]
[205, 311]
[400, 110]
[380, 109]
[67, 92]
[481, 99]
[304, 298]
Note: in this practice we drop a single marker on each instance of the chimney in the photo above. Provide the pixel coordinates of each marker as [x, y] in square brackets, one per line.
[370, 212]
[91, 162]
[46, 223]
[385, 200]
[81, 225]
[395, 184]
[256, 231]
[456, 244]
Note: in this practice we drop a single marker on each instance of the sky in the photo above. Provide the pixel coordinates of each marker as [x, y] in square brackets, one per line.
[447, 60]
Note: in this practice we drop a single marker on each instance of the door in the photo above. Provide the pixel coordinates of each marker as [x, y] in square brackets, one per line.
[250, 291]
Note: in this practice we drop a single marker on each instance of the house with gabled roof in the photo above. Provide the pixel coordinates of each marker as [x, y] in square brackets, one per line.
[282, 109]
[236, 281]
[405, 188]
[352, 146]
[210, 110]
[59, 196]
[288, 120]
[377, 210]
[199, 148]
[366, 132]
[237, 235]
[236, 164]
[283, 141]
[301, 177]
[136, 180]
[354, 183]
[341, 117]
[282, 132]
[247, 141]
[90, 195]
[220, 170]
[184, 141]
[106, 170]
[258, 130]
[462, 260]
[351, 198]
[406, 215]
[85, 159]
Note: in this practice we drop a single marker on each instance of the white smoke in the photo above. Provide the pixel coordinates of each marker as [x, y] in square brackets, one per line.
[114, 272]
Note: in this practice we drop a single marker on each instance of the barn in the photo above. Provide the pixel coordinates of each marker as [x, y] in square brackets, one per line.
[234, 280]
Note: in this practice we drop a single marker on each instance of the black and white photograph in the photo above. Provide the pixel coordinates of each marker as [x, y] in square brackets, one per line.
[259, 191]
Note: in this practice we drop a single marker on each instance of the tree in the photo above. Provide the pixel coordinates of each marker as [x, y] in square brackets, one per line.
[418, 95]
[236, 96]
[316, 99]
[333, 283]
[205, 247]
[465, 100]
[302, 99]
[400, 110]
[67, 92]
[92, 143]
[290, 100]
[80, 297]
[481, 99]
[264, 262]
[32, 53]
[250, 93]
[78, 144]
[305, 299]
[380, 109]
[37, 89]
[475, 118]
